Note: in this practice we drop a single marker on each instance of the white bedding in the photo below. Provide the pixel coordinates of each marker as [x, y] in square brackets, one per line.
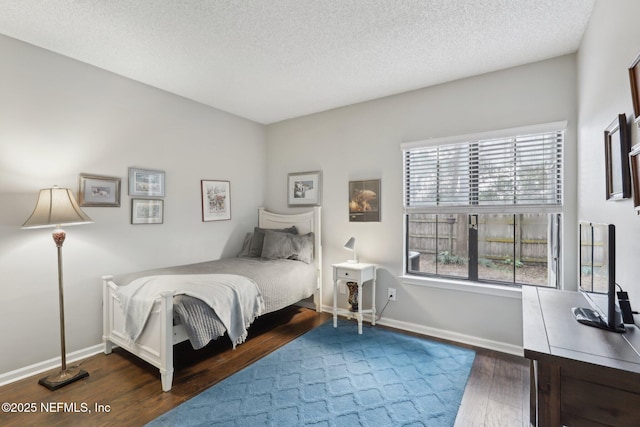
[235, 299]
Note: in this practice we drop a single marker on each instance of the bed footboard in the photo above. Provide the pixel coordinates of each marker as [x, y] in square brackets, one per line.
[155, 344]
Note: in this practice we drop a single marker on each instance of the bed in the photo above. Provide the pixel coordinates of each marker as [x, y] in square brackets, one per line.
[177, 316]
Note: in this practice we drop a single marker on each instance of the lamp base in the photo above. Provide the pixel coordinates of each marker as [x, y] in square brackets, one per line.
[352, 261]
[63, 378]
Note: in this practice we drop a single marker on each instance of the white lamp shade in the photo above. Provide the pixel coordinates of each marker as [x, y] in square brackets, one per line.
[351, 244]
[56, 206]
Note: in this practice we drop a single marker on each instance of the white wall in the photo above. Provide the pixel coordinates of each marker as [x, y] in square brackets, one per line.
[59, 118]
[363, 142]
[610, 44]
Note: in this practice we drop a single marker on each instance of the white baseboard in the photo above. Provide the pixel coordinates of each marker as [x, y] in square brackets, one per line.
[453, 336]
[445, 334]
[48, 365]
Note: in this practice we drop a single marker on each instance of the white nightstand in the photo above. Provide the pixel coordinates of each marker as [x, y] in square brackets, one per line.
[359, 273]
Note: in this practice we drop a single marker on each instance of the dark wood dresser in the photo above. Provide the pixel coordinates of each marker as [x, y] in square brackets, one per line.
[580, 375]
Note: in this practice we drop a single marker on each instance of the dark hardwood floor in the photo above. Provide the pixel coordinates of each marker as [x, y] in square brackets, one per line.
[122, 390]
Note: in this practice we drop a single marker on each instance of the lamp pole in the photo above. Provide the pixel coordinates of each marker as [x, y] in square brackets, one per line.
[58, 237]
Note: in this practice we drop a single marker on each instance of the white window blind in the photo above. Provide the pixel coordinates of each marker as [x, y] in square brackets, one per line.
[508, 173]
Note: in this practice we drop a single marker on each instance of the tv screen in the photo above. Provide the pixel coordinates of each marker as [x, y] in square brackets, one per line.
[598, 277]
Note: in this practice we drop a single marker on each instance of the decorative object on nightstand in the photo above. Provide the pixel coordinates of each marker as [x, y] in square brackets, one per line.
[353, 295]
[358, 273]
[351, 245]
[57, 207]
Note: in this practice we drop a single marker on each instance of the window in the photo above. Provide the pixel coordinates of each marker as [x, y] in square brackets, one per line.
[485, 208]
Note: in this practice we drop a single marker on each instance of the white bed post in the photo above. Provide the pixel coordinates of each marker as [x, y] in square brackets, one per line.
[317, 296]
[166, 340]
[106, 318]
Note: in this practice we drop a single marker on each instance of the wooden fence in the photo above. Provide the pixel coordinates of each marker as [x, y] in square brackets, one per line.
[496, 236]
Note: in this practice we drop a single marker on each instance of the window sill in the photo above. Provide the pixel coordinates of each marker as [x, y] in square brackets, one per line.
[464, 286]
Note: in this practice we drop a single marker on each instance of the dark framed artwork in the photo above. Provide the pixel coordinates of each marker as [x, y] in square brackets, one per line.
[216, 200]
[634, 80]
[634, 160]
[97, 190]
[364, 200]
[617, 147]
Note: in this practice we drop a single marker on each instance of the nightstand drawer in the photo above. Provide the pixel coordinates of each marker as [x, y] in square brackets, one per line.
[343, 273]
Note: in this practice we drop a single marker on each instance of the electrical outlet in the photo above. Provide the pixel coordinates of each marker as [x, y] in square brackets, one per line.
[342, 288]
[392, 294]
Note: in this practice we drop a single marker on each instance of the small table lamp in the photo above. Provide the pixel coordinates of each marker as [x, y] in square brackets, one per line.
[351, 245]
[56, 207]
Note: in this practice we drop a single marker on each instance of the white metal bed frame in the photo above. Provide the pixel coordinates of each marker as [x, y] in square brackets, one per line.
[155, 344]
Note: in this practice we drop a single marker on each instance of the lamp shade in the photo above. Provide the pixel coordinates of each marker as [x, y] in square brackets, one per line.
[351, 244]
[56, 206]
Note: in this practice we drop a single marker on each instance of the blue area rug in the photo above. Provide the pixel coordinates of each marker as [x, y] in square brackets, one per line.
[335, 377]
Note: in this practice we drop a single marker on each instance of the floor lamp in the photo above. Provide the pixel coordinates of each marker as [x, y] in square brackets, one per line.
[57, 207]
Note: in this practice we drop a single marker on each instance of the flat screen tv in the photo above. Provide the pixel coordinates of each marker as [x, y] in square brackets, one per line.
[598, 277]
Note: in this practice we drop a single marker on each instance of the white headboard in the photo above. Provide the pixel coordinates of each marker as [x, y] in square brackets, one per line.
[306, 222]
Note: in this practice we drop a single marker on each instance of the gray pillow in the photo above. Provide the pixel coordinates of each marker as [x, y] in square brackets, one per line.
[257, 240]
[246, 245]
[288, 246]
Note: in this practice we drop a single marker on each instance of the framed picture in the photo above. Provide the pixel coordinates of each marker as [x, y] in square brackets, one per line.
[147, 211]
[634, 80]
[616, 154]
[304, 188]
[364, 200]
[634, 159]
[96, 190]
[146, 182]
[216, 200]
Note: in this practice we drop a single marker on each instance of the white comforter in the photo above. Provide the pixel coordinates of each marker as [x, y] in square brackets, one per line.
[235, 299]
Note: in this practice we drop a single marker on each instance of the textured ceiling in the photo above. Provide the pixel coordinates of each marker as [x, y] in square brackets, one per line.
[270, 60]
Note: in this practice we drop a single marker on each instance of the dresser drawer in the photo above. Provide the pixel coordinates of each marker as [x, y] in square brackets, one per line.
[346, 274]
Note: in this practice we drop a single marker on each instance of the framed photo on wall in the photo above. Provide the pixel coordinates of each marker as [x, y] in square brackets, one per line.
[617, 146]
[216, 200]
[304, 188]
[146, 182]
[147, 211]
[634, 159]
[634, 80]
[96, 190]
[364, 200]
